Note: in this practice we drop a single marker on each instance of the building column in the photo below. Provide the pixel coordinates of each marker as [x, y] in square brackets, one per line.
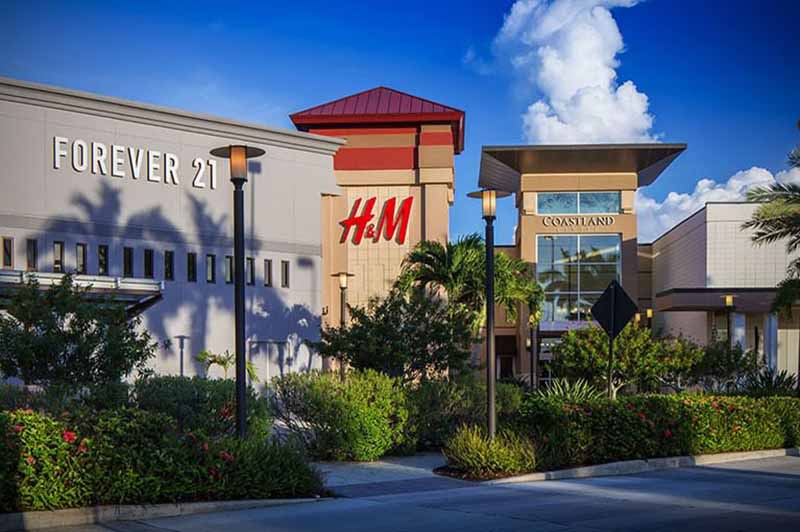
[738, 330]
[771, 340]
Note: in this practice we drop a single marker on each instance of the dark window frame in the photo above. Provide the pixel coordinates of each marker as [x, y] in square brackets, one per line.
[32, 254]
[81, 258]
[8, 265]
[102, 259]
[148, 262]
[212, 278]
[169, 265]
[250, 270]
[285, 274]
[128, 259]
[229, 275]
[58, 257]
[191, 267]
[267, 272]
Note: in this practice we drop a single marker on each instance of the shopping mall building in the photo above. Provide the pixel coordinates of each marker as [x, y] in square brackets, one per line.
[128, 198]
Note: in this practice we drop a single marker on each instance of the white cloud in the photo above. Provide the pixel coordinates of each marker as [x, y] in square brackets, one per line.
[568, 50]
[654, 217]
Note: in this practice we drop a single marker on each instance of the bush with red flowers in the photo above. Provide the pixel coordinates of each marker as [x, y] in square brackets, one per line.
[131, 456]
[650, 426]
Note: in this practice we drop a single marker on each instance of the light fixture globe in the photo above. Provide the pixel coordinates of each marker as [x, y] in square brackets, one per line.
[343, 278]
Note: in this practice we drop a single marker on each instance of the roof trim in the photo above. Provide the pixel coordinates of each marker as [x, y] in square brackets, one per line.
[29, 93]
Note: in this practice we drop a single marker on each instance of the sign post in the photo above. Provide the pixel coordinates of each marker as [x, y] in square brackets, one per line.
[613, 311]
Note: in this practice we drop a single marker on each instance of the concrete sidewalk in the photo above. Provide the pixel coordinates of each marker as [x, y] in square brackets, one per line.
[403, 474]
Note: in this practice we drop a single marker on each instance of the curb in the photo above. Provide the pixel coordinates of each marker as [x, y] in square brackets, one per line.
[630, 467]
[100, 514]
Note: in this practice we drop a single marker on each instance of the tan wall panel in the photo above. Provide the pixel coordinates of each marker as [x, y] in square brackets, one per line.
[436, 157]
[426, 128]
[627, 199]
[436, 175]
[576, 182]
[381, 141]
[436, 213]
[375, 177]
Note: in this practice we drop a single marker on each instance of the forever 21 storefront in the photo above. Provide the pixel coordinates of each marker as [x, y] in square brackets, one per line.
[576, 226]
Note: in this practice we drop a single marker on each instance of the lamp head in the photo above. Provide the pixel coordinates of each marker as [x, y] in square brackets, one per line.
[342, 276]
[238, 155]
[488, 197]
[728, 300]
[649, 313]
[528, 343]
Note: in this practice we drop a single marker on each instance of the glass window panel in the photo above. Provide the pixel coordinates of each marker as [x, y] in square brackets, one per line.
[599, 202]
[599, 248]
[557, 203]
[585, 303]
[557, 307]
[595, 277]
[563, 248]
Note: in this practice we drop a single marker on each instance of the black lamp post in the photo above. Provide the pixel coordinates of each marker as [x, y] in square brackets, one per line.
[728, 309]
[342, 276]
[238, 156]
[488, 199]
[649, 314]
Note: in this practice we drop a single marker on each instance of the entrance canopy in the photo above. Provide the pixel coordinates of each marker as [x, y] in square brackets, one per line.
[713, 299]
[501, 166]
[136, 294]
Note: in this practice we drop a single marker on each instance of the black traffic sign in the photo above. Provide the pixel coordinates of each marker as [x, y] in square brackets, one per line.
[614, 309]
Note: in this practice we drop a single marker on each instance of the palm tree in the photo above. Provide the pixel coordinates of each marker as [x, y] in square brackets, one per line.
[457, 271]
[778, 218]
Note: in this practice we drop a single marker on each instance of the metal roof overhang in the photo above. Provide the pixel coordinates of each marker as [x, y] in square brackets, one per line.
[713, 299]
[501, 166]
[136, 294]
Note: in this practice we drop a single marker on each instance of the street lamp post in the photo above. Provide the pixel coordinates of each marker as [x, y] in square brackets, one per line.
[237, 156]
[649, 314]
[342, 276]
[728, 309]
[530, 344]
[488, 199]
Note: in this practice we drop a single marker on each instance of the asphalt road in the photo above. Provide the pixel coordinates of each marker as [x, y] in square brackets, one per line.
[757, 495]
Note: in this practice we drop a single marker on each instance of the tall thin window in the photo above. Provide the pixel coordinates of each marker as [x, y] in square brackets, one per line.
[8, 253]
[250, 270]
[228, 269]
[267, 272]
[191, 267]
[127, 262]
[148, 263]
[285, 273]
[211, 268]
[169, 265]
[58, 257]
[102, 259]
[80, 258]
[32, 254]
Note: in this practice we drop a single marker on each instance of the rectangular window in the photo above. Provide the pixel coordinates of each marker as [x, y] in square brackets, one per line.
[127, 262]
[285, 274]
[169, 265]
[8, 253]
[102, 259]
[191, 267]
[80, 258]
[228, 269]
[578, 203]
[148, 263]
[267, 272]
[32, 254]
[250, 270]
[58, 257]
[211, 268]
[574, 270]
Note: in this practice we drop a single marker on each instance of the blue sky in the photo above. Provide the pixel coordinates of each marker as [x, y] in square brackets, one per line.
[721, 76]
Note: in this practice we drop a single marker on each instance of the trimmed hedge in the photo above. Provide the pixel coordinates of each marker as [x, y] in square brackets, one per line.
[131, 456]
[360, 419]
[651, 426]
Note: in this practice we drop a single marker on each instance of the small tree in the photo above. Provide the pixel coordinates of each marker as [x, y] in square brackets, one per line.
[638, 358]
[408, 335]
[723, 368]
[62, 336]
[226, 361]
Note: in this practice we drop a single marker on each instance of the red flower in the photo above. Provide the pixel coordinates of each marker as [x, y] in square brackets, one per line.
[214, 473]
[715, 405]
[30, 459]
[731, 408]
[667, 433]
[736, 428]
[68, 436]
[226, 456]
[642, 416]
[19, 428]
[83, 447]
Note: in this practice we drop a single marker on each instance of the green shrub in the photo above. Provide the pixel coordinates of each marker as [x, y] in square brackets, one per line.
[198, 404]
[598, 431]
[131, 456]
[769, 382]
[438, 407]
[359, 419]
[472, 453]
[58, 398]
[572, 391]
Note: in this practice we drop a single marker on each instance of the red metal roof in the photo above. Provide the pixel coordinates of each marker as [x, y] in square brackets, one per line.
[382, 105]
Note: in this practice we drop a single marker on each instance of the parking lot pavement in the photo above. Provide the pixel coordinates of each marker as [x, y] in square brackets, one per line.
[755, 495]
